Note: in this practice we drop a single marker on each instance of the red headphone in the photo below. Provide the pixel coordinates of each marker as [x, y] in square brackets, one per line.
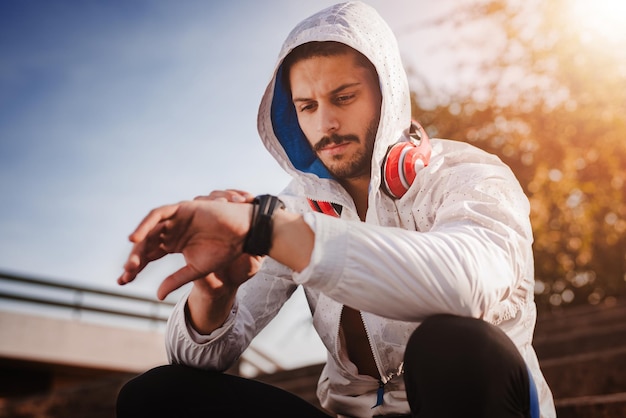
[404, 159]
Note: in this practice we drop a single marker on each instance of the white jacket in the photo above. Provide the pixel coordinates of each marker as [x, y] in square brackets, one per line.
[459, 241]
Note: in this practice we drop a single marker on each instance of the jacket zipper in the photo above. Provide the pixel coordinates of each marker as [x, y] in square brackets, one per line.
[383, 380]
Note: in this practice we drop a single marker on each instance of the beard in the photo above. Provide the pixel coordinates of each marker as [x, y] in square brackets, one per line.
[360, 163]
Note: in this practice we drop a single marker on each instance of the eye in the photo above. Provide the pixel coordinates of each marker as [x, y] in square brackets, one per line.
[344, 98]
[306, 107]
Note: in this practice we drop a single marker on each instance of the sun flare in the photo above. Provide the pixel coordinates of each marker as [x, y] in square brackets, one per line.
[604, 19]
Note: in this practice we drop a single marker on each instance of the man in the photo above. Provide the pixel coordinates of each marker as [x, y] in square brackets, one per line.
[420, 282]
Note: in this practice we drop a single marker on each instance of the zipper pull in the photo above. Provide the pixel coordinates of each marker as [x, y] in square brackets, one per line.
[379, 394]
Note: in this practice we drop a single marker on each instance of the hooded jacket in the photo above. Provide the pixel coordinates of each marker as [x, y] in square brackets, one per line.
[459, 241]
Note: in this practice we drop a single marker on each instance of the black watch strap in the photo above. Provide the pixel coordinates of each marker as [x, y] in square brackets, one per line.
[259, 238]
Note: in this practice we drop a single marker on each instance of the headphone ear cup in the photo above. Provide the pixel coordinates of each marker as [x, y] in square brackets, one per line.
[400, 168]
[393, 177]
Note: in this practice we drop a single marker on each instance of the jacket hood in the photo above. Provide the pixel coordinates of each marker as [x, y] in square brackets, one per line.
[361, 27]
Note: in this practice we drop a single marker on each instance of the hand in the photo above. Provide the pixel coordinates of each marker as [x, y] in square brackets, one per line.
[209, 232]
[222, 285]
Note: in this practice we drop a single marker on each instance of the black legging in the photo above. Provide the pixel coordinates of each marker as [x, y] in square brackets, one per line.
[465, 367]
[454, 367]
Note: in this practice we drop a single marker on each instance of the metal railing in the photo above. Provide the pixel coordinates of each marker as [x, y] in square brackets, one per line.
[78, 299]
[64, 295]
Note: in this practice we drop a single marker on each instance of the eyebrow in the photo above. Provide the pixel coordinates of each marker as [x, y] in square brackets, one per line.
[334, 91]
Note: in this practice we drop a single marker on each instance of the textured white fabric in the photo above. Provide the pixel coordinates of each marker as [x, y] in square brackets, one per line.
[459, 241]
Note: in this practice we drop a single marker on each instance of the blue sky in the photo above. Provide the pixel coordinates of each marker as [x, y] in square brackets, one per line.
[110, 108]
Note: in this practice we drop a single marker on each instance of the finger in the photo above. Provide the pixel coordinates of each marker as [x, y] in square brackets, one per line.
[151, 220]
[142, 253]
[228, 195]
[125, 278]
[214, 195]
[131, 269]
[245, 196]
[222, 195]
[220, 199]
[177, 279]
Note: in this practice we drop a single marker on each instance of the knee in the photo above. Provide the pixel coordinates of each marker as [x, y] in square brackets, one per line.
[437, 331]
[138, 394]
[453, 329]
[159, 390]
[466, 359]
[455, 337]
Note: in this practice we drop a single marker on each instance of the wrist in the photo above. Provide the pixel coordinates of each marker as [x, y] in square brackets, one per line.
[206, 311]
[292, 240]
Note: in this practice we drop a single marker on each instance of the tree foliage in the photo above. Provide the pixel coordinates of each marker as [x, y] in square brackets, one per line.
[550, 99]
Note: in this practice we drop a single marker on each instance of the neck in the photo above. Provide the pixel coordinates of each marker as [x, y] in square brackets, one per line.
[358, 188]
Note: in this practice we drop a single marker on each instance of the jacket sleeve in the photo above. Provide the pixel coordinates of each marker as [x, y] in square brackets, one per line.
[474, 259]
[257, 303]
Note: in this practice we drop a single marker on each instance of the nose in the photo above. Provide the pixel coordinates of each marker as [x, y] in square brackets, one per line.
[328, 122]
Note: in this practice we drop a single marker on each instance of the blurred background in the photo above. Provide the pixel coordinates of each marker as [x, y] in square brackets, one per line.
[108, 109]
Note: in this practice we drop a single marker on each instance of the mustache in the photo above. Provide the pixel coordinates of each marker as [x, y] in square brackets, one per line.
[335, 139]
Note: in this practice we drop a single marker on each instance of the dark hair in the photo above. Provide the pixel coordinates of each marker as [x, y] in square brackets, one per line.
[321, 49]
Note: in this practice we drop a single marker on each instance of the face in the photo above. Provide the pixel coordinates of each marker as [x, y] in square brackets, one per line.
[338, 106]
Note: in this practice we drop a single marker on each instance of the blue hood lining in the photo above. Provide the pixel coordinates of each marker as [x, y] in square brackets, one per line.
[290, 136]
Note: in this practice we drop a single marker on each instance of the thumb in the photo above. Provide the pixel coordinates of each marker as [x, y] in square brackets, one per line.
[177, 279]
